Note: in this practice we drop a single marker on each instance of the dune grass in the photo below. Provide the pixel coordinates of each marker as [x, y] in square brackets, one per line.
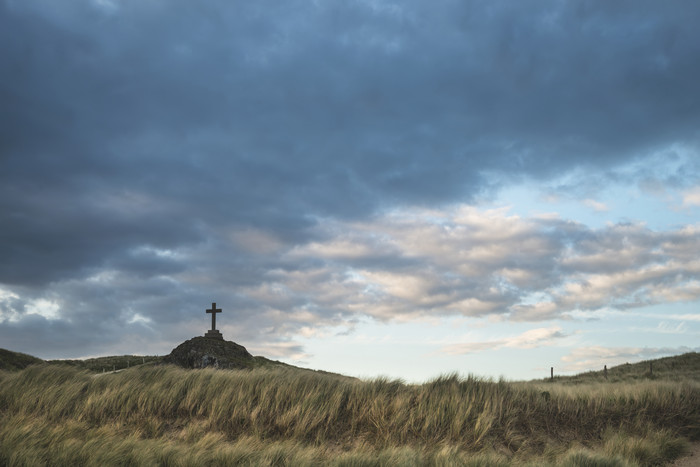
[163, 415]
[677, 368]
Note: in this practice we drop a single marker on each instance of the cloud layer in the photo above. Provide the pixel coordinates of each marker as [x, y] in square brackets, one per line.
[307, 163]
[408, 265]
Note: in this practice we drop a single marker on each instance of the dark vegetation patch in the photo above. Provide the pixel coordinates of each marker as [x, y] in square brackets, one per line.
[12, 361]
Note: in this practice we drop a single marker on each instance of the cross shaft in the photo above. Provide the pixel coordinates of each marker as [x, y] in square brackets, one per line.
[214, 310]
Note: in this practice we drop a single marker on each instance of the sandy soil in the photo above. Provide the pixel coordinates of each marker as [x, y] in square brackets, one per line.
[691, 460]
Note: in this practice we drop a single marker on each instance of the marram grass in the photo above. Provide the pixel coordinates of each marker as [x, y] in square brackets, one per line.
[162, 415]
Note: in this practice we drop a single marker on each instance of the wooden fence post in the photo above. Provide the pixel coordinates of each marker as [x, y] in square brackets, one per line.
[551, 373]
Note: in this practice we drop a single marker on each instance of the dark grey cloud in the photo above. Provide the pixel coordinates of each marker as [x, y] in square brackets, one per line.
[138, 138]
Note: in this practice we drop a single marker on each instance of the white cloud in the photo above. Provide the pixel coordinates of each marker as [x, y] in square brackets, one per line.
[596, 205]
[684, 317]
[43, 307]
[691, 197]
[666, 328]
[527, 340]
[341, 249]
[139, 318]
[8, 311]
[7, 294]
[539, 311]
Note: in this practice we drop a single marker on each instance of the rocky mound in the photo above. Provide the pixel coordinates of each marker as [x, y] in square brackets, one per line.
[202, 352]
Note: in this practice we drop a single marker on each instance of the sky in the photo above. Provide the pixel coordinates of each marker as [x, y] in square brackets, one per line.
[374, 188]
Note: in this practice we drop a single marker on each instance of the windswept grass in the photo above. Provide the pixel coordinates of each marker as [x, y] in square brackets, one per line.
[162, 415]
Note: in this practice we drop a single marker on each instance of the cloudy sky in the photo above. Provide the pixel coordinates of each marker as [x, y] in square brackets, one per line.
[364, 186]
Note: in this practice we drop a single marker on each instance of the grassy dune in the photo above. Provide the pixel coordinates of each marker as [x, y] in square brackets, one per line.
[16, 361]
[162, 415]
[13, 361]
[102, 364]
[677, 368]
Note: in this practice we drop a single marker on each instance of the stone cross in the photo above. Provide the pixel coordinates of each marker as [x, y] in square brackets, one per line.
[214, 310]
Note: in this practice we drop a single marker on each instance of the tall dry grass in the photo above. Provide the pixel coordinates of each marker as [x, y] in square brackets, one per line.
[169, 416]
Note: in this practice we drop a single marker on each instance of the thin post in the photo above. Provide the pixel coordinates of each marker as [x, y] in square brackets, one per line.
[605, 371]
[551, 373]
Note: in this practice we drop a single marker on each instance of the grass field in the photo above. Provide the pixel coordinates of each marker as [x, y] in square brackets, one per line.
[163, 415]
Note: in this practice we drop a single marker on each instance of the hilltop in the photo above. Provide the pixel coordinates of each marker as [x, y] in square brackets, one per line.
[201, 352]
[198, 352]
[10, 360]
[229, 355]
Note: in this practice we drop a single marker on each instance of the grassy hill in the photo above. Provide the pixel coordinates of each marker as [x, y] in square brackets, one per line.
[164, 415]
[16, 361]
[676, 368]
[111, 363]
